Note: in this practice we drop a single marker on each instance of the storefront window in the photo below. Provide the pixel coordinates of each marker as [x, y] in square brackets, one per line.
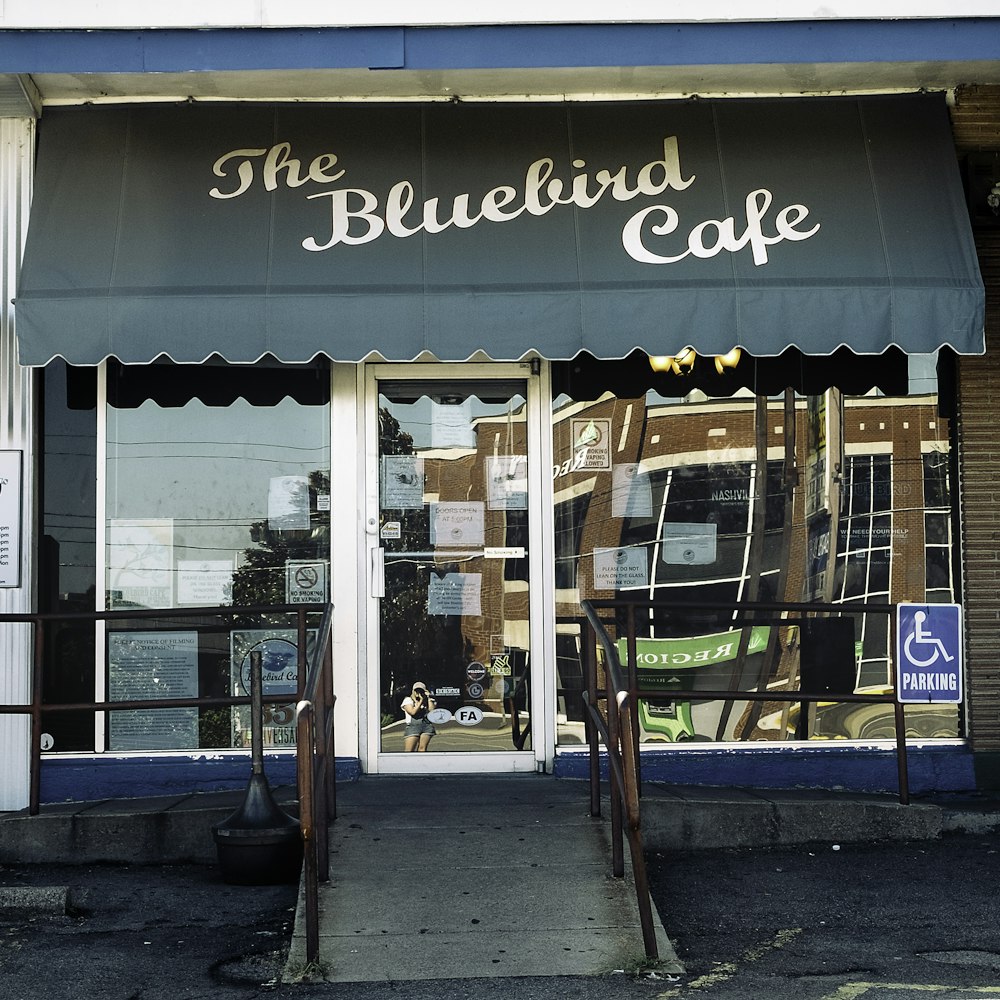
[681, 487]
[216, 493]
[68, 557]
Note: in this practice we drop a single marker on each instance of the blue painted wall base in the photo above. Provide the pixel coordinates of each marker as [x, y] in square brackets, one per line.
[110, 777]
[931, 769]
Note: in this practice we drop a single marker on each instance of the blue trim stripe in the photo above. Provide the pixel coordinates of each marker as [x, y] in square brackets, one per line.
[499, 46]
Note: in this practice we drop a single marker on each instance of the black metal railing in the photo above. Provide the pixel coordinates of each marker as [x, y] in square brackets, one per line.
[617, 726]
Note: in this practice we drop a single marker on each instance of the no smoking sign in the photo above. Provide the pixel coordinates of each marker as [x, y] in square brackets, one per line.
[305, 581]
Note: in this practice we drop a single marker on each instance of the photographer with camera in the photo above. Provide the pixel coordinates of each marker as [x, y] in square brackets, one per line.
[419, 728]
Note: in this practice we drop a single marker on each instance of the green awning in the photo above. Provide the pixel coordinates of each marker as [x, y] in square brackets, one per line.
[345, 230]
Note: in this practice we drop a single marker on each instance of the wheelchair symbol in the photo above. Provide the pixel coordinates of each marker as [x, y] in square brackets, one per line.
[922, 637]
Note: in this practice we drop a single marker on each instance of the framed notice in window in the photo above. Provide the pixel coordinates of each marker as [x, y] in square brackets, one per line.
[143, 666]
[10, 518]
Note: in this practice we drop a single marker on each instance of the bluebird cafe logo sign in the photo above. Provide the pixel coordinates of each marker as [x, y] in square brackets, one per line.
[352, 214]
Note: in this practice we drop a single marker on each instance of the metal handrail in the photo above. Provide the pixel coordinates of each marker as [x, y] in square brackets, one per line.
[36, 706]
[622, 769]
[620, 731]
[317, 773]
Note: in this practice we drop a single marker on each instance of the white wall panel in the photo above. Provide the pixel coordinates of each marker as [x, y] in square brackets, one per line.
[292, 13]
[16, 432]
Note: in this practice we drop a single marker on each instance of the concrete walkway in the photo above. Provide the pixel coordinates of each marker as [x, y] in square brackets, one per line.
[472, 876]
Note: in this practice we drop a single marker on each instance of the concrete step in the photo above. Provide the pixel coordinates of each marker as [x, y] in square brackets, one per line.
[146, 831]
[683, 818]
[177, 829]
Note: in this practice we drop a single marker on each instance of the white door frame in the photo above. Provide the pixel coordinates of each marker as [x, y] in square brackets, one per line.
[542, 628]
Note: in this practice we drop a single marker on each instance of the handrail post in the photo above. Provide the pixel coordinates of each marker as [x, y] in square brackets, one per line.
[302, 659]
[617, 794]
[639, 873]
[588, 653]
[633, 701]
[35, 721]
[902, 768]
[304, 740]
[329, 742]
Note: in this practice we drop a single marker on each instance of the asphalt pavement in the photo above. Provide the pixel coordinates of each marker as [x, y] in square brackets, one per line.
[822, 921]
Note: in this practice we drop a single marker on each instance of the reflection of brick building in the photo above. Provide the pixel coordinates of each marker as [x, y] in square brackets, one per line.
[718, 436]
[890, 501]
[451, 476]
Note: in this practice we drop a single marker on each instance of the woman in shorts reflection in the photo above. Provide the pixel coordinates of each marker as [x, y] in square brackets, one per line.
[419, 728]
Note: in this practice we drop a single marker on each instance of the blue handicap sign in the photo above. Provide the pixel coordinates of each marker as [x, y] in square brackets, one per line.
[929, 653]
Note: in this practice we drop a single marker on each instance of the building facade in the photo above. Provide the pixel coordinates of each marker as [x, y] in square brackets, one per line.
[458, 324]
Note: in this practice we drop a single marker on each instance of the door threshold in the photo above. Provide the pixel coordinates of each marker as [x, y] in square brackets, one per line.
[430, 762]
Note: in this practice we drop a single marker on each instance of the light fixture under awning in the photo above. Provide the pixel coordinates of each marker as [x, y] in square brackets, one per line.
[346, 230]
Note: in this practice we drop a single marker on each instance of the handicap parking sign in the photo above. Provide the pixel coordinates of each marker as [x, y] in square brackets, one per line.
[929, 653]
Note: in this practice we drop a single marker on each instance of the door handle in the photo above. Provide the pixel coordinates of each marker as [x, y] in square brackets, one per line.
[378, 571]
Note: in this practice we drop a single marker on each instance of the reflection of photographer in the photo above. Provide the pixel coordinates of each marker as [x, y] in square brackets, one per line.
[419, 728]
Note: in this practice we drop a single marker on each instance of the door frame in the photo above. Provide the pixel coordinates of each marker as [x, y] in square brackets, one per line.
[541, 626]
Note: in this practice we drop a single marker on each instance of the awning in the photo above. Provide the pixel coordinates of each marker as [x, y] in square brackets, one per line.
[302, 229]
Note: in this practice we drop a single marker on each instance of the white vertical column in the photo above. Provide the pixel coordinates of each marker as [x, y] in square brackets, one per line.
[346, 592]
[16, 433]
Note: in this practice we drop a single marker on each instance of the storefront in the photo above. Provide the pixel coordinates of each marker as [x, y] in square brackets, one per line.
[398, 356]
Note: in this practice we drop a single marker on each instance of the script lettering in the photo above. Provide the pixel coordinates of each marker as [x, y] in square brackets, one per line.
[358, 216]
[702, 243]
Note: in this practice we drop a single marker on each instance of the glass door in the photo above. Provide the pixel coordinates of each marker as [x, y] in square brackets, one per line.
[450, 572]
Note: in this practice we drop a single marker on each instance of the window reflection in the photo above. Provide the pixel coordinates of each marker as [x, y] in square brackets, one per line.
[453, 533]
[217, 493]
[818, 497]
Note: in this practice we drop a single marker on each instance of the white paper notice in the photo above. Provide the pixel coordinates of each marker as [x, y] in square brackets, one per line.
[402, 482]
[140, 557]
[207, 582]
[457, 523]
[288, 503]
[631, 493]
[507, 482]
[618, 569]
[455, 594]
[690, 544]
[451, 425]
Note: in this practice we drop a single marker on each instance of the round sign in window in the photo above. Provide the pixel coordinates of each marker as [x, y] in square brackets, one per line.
[475, 689]
[475, 671]
[469, 715]
[439, 716]
[278, 668]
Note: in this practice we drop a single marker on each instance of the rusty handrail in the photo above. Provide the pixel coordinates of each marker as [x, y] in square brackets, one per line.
[317, 787]
[618, 738]
[620, 733]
